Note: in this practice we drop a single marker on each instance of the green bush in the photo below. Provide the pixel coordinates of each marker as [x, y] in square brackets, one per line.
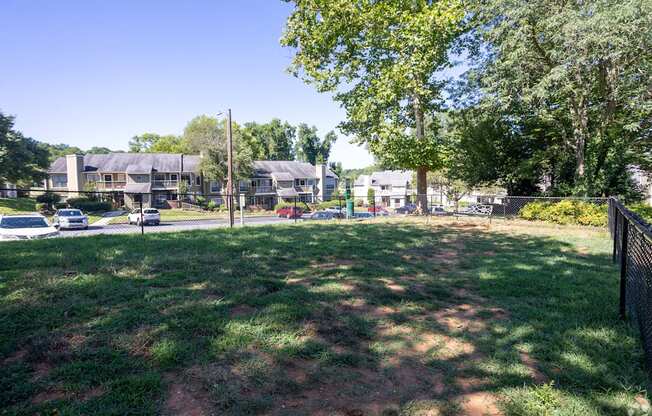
[60, 205]
[41, 207]
[89, 205]
[212, 205]
[49, 199]
[330, 204]
[644, 210]
[566, 212]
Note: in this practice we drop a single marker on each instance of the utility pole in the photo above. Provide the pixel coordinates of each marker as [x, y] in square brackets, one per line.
[229, 182]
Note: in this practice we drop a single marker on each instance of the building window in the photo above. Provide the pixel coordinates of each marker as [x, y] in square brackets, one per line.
[159, 177]
[108, 178]
[215, 186]
[397, 201]
[92, 177]
[59, 181]
[174, 177]
[198, 180]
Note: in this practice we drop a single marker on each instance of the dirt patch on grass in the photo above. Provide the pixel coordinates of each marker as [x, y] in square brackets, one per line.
[242, 311]
[479, 404]
[50, 395]
[332, 263]
[18, 355]
[185, 397]
[533, 368]
[92, 393]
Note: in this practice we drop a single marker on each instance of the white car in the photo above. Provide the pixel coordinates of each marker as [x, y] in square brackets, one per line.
[149, 216]
[68, 218]
[25, 227]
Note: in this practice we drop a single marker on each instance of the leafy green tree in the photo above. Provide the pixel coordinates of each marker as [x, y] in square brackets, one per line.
[380, 59]
[270, 141]
[582, 65]
[155, 143]
[336, 168]
[95, 150]
[206, 135]
[371, 196]
[56, 151]
[310, 148]
[22, 159]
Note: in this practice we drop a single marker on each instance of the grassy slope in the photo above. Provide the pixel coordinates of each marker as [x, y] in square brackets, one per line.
[16, 205]
[315, 317]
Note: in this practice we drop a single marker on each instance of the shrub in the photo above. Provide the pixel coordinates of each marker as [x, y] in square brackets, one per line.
[49, 199]
[331, 204]
[60, 205]
[566, 212]
[212, 205]
[644, 210]
[89, 205]
[41, 207]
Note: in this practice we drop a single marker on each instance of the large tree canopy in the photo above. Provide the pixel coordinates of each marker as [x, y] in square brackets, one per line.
[22, 159]
[310, 148]
[270, 141]
[582, 69]
[206, 135]
[380, 58]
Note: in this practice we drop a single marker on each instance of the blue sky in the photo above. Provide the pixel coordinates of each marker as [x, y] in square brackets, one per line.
[95, 73]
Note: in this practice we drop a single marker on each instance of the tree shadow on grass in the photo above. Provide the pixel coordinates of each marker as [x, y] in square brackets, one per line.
[316, 319]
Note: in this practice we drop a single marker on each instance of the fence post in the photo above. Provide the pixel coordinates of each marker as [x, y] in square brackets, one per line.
[374, 205]
[142, 219]
[614, 213]
[339, 204]
[623, 268]
[294, 213]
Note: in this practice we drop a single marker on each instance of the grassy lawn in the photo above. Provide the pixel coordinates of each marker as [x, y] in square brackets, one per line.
[394, 317]
[17, 205]
[27, 205]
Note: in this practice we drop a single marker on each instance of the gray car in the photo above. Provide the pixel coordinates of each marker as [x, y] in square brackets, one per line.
[70, 219]
[319, 215]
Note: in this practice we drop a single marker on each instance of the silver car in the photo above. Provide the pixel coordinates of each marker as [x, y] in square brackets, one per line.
[70, 219]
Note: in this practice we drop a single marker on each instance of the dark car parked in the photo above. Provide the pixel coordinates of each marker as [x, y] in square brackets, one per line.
[406, 209]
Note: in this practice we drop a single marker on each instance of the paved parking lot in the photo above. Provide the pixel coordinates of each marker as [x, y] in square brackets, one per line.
[171, 226]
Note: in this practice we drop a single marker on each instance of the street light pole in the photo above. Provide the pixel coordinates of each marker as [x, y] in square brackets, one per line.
[229, 150]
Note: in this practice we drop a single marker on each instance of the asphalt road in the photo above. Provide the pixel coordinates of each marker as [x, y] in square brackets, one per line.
[171, 226]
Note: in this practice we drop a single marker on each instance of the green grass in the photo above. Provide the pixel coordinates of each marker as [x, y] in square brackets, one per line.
[17, 205]
[380, 318]
[27, 205]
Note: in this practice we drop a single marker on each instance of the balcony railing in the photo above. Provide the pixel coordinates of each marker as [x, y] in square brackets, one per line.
[164, 184]
[304, 188]
[104, 185]
[264, 189]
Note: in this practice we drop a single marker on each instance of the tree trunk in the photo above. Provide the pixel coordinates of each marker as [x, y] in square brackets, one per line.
[422, 186]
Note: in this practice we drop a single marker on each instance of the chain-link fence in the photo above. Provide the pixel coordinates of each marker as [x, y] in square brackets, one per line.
[78, 213]
[632, 251]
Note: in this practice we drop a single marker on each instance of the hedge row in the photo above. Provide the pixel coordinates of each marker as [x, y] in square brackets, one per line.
[89, 205]
[566, 212]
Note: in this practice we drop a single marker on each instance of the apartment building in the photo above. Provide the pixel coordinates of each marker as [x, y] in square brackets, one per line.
[392, 188]
[159, 179]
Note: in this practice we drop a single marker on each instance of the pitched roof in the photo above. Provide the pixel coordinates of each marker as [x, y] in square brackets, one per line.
[265, 168]
[170, 162]
[120, 162]
[387, 177]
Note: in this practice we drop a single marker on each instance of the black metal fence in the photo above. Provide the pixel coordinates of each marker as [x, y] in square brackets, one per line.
[632, 251]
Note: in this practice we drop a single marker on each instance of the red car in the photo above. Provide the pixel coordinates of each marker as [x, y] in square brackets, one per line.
[289, 212]
[379, 210]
